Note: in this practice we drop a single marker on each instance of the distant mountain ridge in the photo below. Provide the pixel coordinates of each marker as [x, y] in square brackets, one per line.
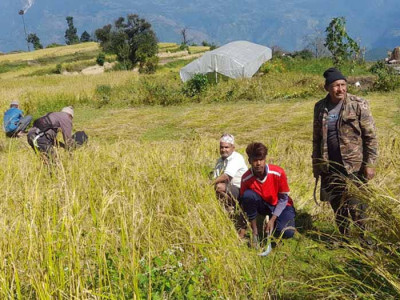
[269, 22]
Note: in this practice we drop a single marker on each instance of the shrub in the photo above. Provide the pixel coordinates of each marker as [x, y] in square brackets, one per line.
[101, 58]
[379, 65]
[103, 94]
[122, 66]
[59, 69]
[149, 66]
[159, 92]
[183, 47]
[196, 85]
[303, 54]
[167, 275]
[388, 79]
[53, 45]
[273, 66]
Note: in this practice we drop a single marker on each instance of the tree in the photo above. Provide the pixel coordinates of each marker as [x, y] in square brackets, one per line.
[277, 51]
[207, 44]
[315, 42]
[35, 41]
[132, 40]
[339, 43]
[70, 34]
[185, 38]
[85, 37]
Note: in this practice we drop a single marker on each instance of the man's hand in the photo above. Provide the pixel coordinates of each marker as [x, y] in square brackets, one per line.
[224, 178]
[269, 227]
[369, 173]
[316, 170]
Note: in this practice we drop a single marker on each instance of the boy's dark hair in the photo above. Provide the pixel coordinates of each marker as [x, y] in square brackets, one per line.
[256, 151]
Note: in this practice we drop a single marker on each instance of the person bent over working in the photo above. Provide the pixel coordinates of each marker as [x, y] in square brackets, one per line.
[43, 135]
[264, 190]
[228, 172]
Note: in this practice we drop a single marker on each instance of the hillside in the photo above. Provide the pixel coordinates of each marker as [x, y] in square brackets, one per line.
[133, 215]
[285, 24]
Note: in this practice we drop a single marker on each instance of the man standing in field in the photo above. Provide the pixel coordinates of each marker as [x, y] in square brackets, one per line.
[42, 136]
[344, 148]
[264, 190]
[227, 174]
[14, 122]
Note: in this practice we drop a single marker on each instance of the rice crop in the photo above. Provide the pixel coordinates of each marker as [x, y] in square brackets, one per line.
[132, 214]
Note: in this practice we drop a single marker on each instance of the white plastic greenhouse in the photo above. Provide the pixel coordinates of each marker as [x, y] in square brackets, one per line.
[236, 60]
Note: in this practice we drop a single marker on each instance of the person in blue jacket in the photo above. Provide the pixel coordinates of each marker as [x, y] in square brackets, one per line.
[14, 122]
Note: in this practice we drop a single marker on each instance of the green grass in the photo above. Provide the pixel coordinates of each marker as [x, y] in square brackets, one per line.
[176, 64]
[12, 66]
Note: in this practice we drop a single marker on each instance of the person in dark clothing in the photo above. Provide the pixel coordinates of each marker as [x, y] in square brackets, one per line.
[345, 148]
[42, 137]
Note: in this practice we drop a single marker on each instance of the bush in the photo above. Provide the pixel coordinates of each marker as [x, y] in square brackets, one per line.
[183, 47]
[54, 45]
[103, 94]
[273, 66]
[122, 66]
[303, 54]
[388, 79]
[166, 275]
[196, 85]
[101, 58]
[379, 65]
[59, 69]
[149, 66]
[159, 92]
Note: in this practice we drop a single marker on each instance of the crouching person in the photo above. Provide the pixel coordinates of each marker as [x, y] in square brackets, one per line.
[14, 121]
[264, 190]
[42, 137]
[227, 175]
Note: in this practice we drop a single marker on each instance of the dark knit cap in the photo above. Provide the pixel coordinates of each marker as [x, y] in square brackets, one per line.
[333, 74]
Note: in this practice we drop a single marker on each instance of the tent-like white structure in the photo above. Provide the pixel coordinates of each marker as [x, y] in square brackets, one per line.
[236, 59]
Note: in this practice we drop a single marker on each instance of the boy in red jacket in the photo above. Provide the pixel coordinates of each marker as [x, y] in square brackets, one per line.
[264, 190]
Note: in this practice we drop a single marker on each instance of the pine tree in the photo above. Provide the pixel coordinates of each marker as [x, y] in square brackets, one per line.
[70, 34]
[85, 37]
[35, 41]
